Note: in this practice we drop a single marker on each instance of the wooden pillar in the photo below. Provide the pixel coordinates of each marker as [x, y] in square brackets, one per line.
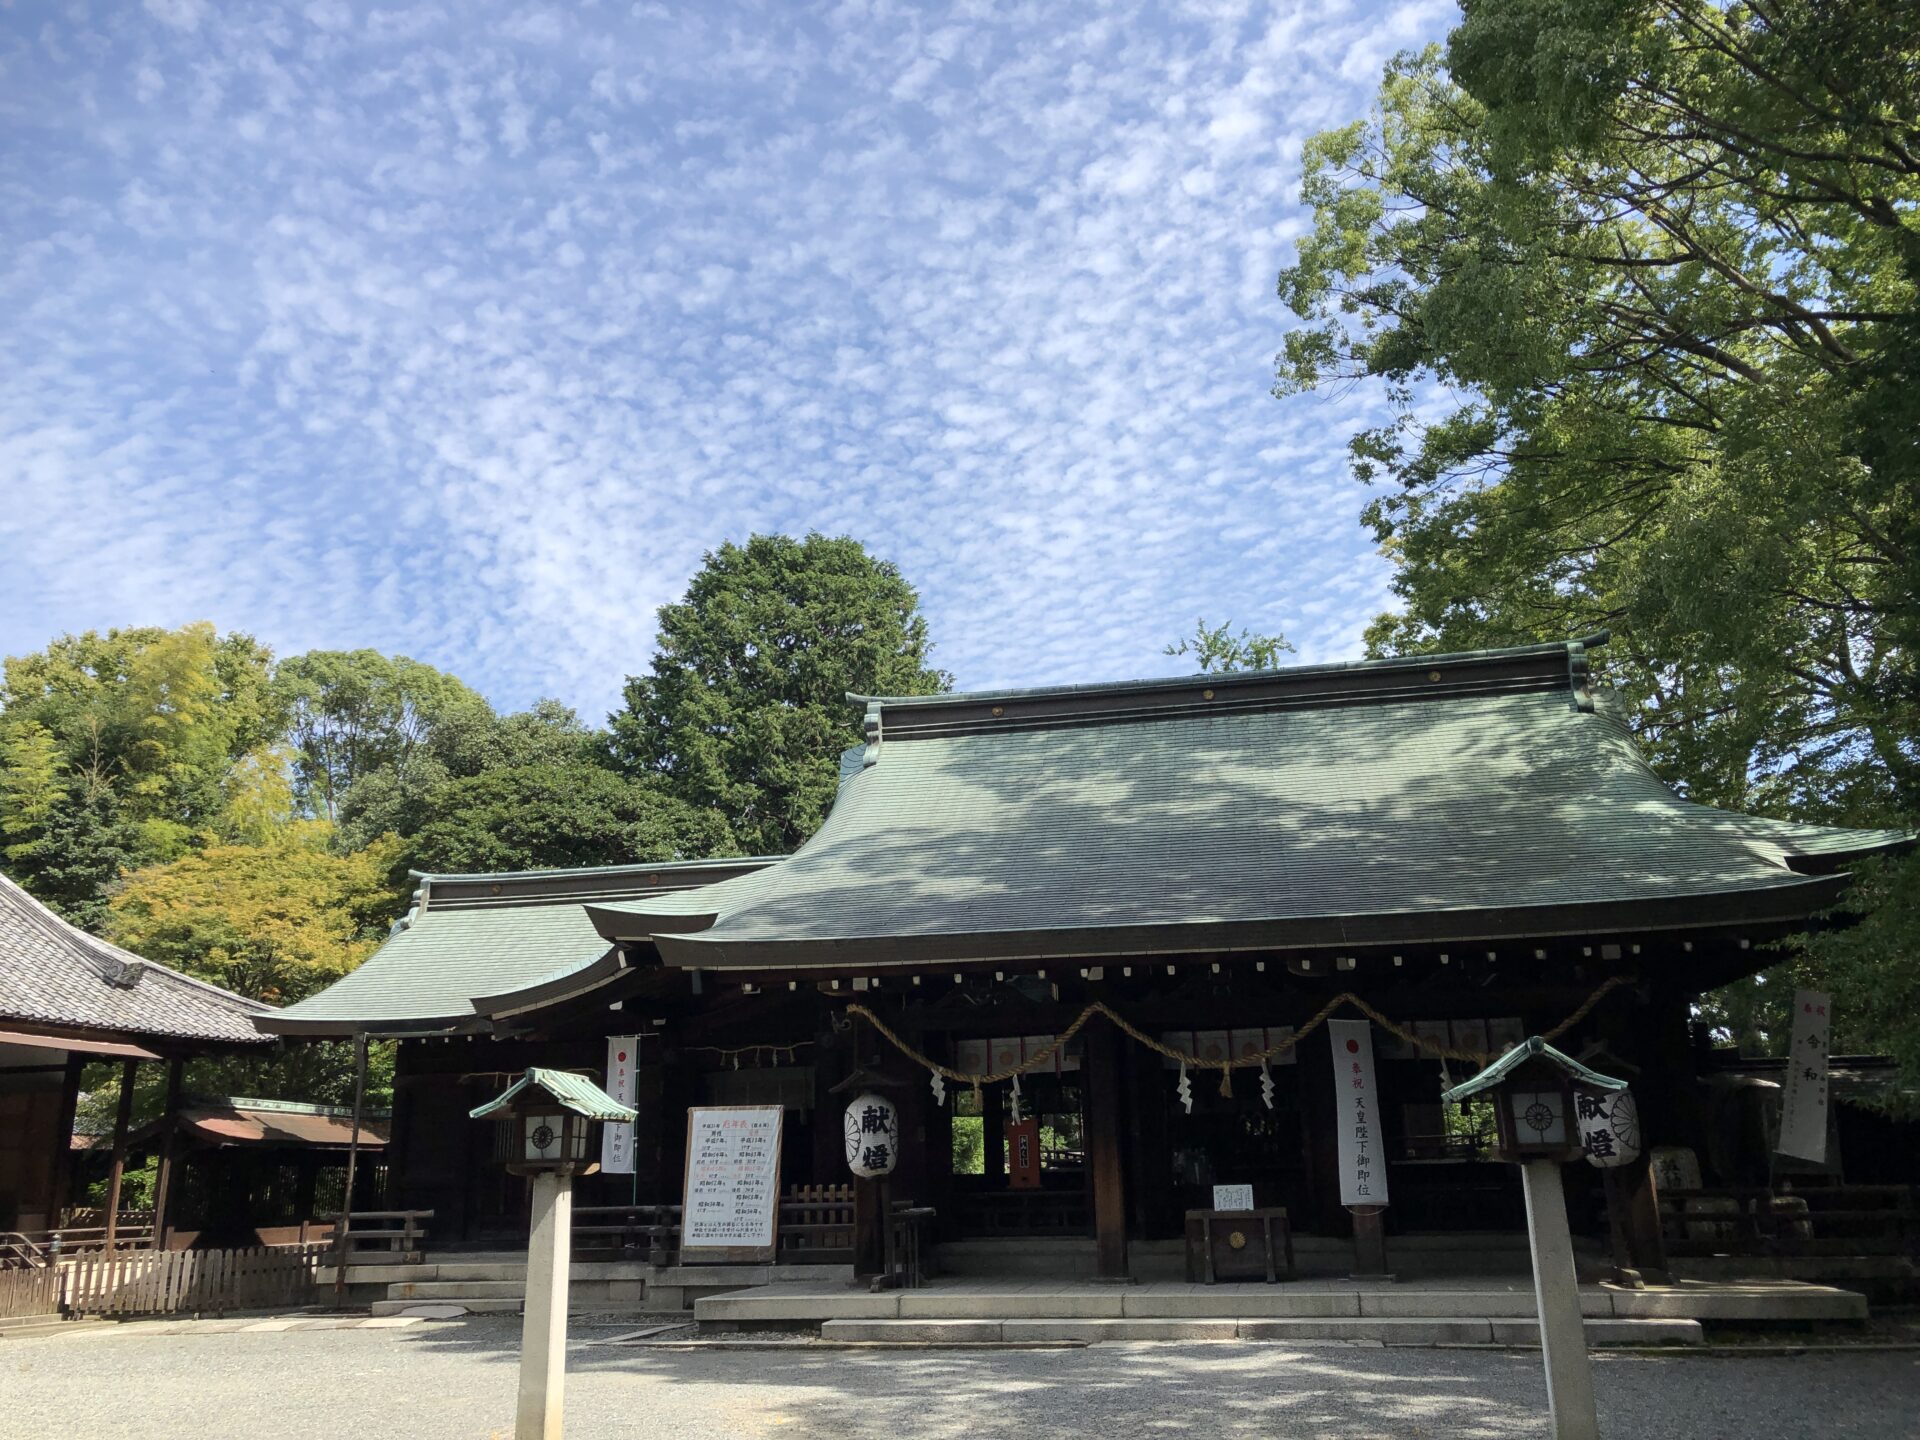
[1633, 1220]
[993, 1134]
[60, 1172]
[116, 1172]
[167, 1180]
[342, 1243]
[1106, 1157]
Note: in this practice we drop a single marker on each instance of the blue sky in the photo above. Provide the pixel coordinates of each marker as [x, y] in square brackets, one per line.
[464, 331]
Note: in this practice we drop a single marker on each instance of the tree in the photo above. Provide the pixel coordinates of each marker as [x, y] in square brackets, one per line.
[554, 814]
[115, 749]
[745, 711]
[273, 922]
[400, 798]
[1217, 650]
[354, 712]
[32, 788]
[1639, 284]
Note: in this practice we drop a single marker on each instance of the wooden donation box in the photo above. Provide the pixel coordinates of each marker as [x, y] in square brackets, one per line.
[1239, 1245]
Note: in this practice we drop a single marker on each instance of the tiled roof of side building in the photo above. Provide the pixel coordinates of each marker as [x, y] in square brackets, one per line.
[1427, 798]
[477, 935]
[55, 975]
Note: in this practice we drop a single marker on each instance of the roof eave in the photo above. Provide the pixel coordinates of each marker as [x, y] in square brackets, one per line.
[1773, 905]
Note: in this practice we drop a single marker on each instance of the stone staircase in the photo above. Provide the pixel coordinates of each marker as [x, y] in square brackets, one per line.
[981, 1311]
[483, 1285]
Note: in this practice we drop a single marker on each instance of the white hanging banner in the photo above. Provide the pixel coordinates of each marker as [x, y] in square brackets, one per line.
[1356, 1114]
[616, 1136]
[1803, 1116]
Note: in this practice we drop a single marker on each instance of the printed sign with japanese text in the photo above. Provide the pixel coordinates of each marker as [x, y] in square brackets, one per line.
[1803, 1115]
[1356, 1114]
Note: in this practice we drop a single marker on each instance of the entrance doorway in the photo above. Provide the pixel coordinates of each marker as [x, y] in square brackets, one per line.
[1027, 1177]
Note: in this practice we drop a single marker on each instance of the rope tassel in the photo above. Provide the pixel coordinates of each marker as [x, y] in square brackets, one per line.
[1226, 1081]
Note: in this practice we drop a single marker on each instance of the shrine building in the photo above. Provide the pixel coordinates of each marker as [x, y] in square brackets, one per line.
[1470, 846]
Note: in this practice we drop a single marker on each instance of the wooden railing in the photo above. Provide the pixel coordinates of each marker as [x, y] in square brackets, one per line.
[1822, 1220]
[988, 1213]
[175, 1282]
[816, 1228]
[19, 1251]
[133, 1232]
[389, 1234]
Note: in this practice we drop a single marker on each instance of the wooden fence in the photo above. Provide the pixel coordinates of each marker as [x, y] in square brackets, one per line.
[30, 1290]
[176, 1282]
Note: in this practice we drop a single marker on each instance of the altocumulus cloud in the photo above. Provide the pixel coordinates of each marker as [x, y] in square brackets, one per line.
[463, 331]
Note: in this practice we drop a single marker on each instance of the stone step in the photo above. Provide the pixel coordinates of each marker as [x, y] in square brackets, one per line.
[1406, 1330]
[461, 1290]
[504, 1305]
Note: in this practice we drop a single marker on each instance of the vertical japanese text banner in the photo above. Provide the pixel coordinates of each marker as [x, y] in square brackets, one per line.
[1356, 1113]
[616, 1137]
[1803, 1116]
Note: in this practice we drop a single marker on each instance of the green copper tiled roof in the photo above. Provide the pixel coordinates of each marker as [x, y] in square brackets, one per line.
[1533, 1047]
[476, 935]
[576, 1092]
[1434, 798]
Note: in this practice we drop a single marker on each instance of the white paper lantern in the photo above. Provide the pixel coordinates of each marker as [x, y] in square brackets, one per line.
[873, 1136]
[1609, 1127]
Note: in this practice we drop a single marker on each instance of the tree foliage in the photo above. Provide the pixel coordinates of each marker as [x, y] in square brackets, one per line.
[557, 814]
[1638, 283]
[274, 922]
[745, 711]
[1217, 650]
[353, 713]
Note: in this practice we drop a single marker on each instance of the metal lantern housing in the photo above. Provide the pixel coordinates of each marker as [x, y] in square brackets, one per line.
[1532, 1089]
[546, 1120]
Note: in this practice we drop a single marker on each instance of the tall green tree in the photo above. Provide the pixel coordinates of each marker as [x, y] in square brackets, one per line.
[353, 713]
[1638, 282]
[529, 817]
[745, 711]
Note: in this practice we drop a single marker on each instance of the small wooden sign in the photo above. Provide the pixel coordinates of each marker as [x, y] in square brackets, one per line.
[730, 1209]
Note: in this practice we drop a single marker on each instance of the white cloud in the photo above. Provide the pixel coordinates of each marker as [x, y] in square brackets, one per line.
[465, 334]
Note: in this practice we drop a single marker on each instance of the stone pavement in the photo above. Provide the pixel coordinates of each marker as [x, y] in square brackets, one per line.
[306, 1377]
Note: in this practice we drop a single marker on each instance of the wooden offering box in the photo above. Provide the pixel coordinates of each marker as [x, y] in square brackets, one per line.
[1239, 1245]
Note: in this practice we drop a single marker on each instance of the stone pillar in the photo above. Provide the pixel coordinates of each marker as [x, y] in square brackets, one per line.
[543, 1335]
[1563, 1338]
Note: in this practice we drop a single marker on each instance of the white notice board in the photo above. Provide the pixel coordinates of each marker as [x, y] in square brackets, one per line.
[730, 1209]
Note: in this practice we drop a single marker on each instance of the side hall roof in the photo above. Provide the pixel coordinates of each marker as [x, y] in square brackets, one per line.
[1427, 798]
[57, 979]
[468, 936]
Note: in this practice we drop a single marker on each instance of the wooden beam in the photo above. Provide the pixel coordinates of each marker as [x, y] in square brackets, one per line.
[1106, 1158]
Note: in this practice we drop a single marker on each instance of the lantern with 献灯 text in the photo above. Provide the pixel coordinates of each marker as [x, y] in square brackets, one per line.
[873, 1136]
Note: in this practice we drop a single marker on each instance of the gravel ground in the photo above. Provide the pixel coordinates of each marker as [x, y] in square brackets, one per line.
[456, 1379]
